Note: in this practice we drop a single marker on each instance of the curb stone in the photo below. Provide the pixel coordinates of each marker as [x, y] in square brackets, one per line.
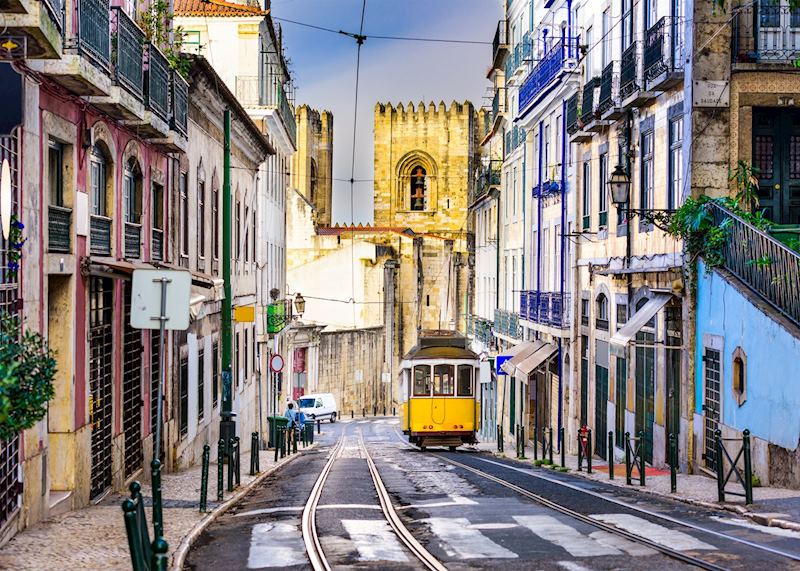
[742, 511]
[179, 557]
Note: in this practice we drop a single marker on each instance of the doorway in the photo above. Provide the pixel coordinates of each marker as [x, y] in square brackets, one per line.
[776, 156]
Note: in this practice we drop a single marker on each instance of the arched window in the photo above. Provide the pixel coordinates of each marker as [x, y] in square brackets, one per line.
[419, 186]
[313, 182]
[601, 313]
[132, 192]
[99, 180]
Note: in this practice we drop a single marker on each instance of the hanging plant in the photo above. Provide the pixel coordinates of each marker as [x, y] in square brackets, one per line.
[156, 23]
[27, 370]
[15, 243]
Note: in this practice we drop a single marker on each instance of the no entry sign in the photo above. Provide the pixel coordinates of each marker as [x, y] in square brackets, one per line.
[276, 363]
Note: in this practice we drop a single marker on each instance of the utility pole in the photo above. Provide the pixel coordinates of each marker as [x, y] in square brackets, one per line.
[227, 428]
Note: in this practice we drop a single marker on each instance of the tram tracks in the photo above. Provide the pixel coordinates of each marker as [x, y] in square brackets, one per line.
[311, 538]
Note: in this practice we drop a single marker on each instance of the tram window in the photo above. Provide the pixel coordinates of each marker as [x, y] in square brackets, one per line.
[465, 380]
[443, 380]
[422, 381]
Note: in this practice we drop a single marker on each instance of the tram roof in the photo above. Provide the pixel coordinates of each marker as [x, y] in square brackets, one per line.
[418, 352]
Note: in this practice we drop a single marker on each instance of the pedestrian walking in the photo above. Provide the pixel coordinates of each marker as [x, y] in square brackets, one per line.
[291, 429]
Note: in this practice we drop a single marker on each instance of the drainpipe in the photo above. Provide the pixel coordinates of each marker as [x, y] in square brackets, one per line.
[227, 427]
[524, 215]
[539, 219]
[562, 257]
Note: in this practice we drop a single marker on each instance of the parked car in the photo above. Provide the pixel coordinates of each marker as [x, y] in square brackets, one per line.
[319, 406]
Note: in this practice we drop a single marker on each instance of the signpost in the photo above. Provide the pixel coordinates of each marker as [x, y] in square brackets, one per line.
[276, 364]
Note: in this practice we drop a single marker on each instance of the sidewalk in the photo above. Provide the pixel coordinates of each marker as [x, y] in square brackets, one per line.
[93, 538]
[777, 507]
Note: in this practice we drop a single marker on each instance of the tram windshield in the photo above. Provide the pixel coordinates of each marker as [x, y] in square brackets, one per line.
[443, 380]
[422, 381]
[465, 380]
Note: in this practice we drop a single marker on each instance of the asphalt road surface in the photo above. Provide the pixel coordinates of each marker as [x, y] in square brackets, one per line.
[468, 510]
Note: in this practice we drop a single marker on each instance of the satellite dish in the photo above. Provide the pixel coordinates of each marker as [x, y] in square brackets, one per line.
[5, 198]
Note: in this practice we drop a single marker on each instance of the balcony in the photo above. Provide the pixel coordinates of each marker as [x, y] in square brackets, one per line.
[157, 83]
[588, 107]
[575, 123]
[59, 229]
[517, 57]
[765, 33]
[560, 58]
[252, 91]
[507, 323]
[488, 178]
[631, 93]
[157, 245]
[500, 44]
[133, 240]
[40, 22]
[94, 31]
[100, 235]
[180, 104]
[663, 55]
[608, 104]
[515, 137]
[480, 329]
[545, 308]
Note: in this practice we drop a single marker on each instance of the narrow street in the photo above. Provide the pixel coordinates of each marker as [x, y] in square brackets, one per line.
[466, 510]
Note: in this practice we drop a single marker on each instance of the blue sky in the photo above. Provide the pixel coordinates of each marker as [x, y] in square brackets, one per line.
[397, 71]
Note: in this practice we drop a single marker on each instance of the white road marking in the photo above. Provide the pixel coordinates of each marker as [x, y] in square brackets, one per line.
[461, 542]
[630, 547]
[568, 538]
[363, 422]
[779, 531]
[269, 511]
[665, 536]
[276, 544]
[374, 540]
[492, 525]
[571, 566]
[454, 501]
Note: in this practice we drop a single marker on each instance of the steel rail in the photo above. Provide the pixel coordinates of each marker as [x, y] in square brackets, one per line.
[669, 552]
[309, 517]
[425, 557]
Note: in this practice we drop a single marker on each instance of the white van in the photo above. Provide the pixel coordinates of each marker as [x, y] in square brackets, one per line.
[319, 406]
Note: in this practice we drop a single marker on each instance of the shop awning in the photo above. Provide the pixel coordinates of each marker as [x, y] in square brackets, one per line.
[111, 267]
[621, 338]
[533, 361]
[522, 351]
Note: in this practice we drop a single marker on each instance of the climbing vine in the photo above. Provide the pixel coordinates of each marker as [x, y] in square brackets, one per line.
[27, 369]
[15, 243]
[156, 23]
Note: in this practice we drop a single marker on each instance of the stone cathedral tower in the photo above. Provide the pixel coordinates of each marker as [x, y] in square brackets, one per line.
[312, 164]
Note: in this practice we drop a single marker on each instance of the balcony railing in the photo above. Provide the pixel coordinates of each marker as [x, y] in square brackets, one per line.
[287, 114]
[766, 32]
[545, 308]
[251, 93]
[609, 88]
[559, 58]
[157, 245]
[133, 240]
[55, 9]
[100, 235]
[59, 229]
[94, 31]
[157, 83]
[587, 105]
[573, 125]
[514, 138]
[663, 48]
[498, 102]
[480, 329]
[500, 42]
[507, 323]
[488, 177]
[127, 55]
[629, 76]
[764, 264]
[180, 104]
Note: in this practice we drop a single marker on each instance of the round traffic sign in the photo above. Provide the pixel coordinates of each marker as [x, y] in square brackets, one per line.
[276, 363]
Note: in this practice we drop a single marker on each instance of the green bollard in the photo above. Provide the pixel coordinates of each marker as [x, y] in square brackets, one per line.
[522, 441]
[535, 444]
[238, 461]
[282, 440]
[275, 444]
[562, 445]
[253, 453]
[220, 468]
[319, 429]
[589, 451]
[642, 455]
[204, 478]
[133, 531]
[610, 455]
[748, 468]
[158, 516]
[580, 452]
[295, 438]
[160, 560]
[550, 445]
[231, 444]
[673, 461]
[628, 468]
[258, 453]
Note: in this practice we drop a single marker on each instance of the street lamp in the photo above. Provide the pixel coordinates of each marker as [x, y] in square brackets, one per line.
[299, 304]
[619, 186]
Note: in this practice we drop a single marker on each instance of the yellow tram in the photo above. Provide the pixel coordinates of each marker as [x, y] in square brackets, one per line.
[438, 385]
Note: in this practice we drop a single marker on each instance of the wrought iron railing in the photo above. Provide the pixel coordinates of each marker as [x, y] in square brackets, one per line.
[157, 82]
[59, 229]
[587, 101]
[498, 102]
[55, 9]
[94, 31]
[764, 264]
[507, 323]
[663, 48]
[765, 31]
[559, 58]
[629, 76]
[100, 235]
[480, 329]
[609, 81]
[127, 55]
[500, 41]
[287, 114]
[573, 124]
[180, 104]
[545, 308]
[488, 176]
[157, 245]
[251, 93]
[133, 240]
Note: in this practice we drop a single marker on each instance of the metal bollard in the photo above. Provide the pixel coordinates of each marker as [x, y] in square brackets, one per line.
[535, 444]
[673, 461]
[642, 456]
[522, 441]
[498, 437]
[628, 458]
[748, 468]
[238, 462]
[319, 428]
[231, 444]
[160, 560]
[295, 438]
[363, 413]
[275, 444]
[221, 468]
[351, 413]
[580, 451]
[394, 413]
[550, 446]
[589, 451]
[374, 410]
[562, 445]
[253, 453]
[158, 516]
[610, 455]
[204, 478]
[500, 442]
[384, 410]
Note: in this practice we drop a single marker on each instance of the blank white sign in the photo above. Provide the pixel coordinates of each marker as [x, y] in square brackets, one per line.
[146, 299]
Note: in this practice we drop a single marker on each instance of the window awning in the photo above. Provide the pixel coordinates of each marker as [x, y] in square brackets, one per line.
[535, 360]
[621, 338]
[521, 352]
[111, 267]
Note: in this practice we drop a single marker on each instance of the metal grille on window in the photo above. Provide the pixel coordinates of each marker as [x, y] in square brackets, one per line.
[763, 155]
[101, 296]
[155, 389]
[10, 484]
[711, 405]
[131, 390]
[184, 391]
